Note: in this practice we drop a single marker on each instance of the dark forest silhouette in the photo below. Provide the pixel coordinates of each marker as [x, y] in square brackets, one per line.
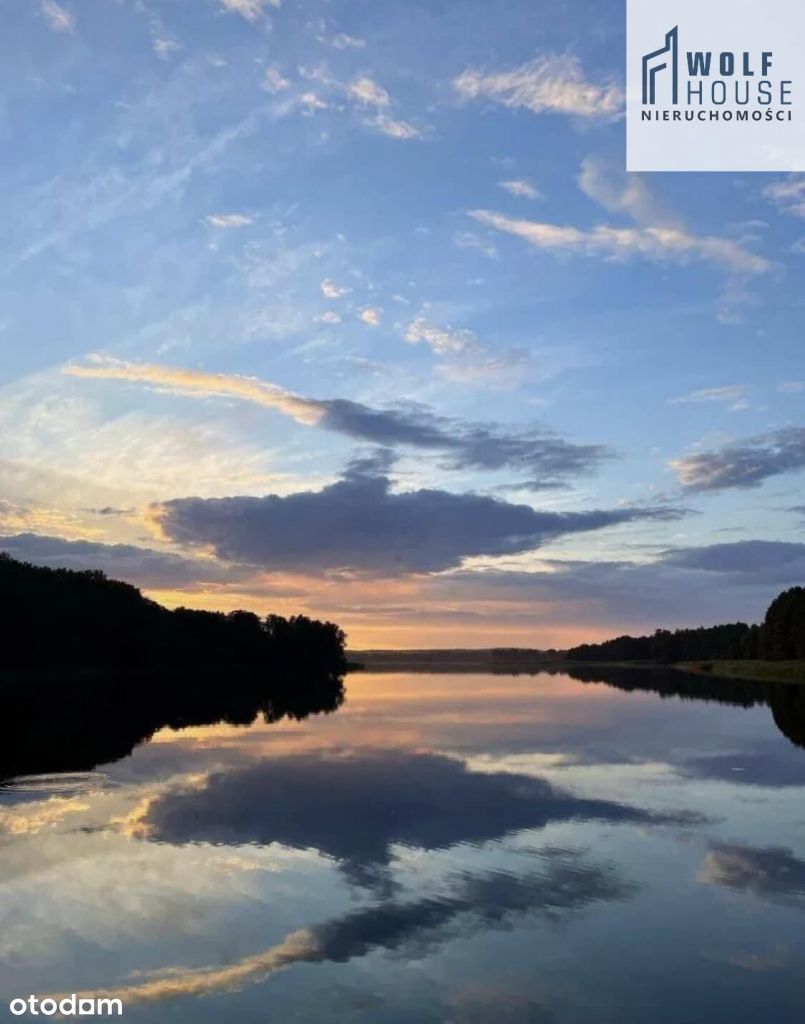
[785, 700]
[96, 720]
[92, 668]
[780, 637]
[67, 620]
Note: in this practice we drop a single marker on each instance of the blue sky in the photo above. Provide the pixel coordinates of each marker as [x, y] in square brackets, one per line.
[351, 308]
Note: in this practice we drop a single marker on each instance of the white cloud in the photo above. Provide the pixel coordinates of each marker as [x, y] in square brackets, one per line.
[331, 290]
[791, 387]
[788, 194]
[228, 220]
[183, 381]
[343, 41]
[733, 395]
[521, 187]
[442, 341]
[619, 192]
[371, 315]
[273, 80]
[369, 93]
[58, 17]
[394, 128]
[312, 102]
[330, 317]
[251, 10]
[547, 84]
[164, 46]
[656, 244]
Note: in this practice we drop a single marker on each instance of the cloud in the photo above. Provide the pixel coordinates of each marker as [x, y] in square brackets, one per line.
[394, 128]
[311, 102]
[228, 220]
[791, 387]
[757, 558]
[197, 382]
[59, 18]
[682, 587]
[545, 459]
[368, 92]
[443, 341]
[469, 903]
[273, 80]
[251, 10]
[772, 872]
[788, 194]
[744, 464]
[329, 317]
[333, 291]
[656, 244]
[619, 192]
[466, 360]
[547, 84]
[143, 567]
[437, 801]
[344, 41]
[371, 315]
[733, 395]
[522, 188]
[359, 525]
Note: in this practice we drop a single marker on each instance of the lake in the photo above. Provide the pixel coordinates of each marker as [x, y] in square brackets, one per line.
[452, 848]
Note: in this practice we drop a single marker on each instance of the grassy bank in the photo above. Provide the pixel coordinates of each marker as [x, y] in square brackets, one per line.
[762, 671]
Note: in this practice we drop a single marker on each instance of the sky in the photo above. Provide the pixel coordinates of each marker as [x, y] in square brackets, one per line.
[349, 308]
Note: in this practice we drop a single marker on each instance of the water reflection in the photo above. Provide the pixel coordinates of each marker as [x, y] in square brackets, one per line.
[356, 806]
[73, 726]
[442, 849]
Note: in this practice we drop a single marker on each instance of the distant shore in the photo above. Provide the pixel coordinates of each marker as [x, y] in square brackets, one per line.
[506, 661]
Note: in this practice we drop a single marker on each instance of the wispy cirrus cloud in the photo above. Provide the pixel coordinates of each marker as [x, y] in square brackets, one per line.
[788, 194]
[745, 463]
[443, 341]
[549, 84]
[543, 458]
[331, 290]
[344, 41]
[58, 17]
[521, 188]
[733, 395]
[251, 10]
[229, 220]
[368, 92]
[657, 244]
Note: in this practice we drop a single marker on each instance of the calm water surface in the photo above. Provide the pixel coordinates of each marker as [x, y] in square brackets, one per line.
[452, 848]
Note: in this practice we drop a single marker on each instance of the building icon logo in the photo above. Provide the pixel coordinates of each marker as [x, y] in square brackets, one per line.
[664, 59]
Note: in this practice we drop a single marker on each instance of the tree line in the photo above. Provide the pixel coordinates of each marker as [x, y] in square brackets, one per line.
[67, 619]
[780, 637]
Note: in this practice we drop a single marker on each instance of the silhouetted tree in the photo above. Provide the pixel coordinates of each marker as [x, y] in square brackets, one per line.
[64, 619]
[782, 635]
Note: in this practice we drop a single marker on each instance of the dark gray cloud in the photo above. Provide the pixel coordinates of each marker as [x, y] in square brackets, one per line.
[358, 524]
[775, 766]
[141, 566]
[773, 872]
[355, 807]
[759, 558]
[489, 900]
[744, 464]
[544, 459]
[464, 905]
